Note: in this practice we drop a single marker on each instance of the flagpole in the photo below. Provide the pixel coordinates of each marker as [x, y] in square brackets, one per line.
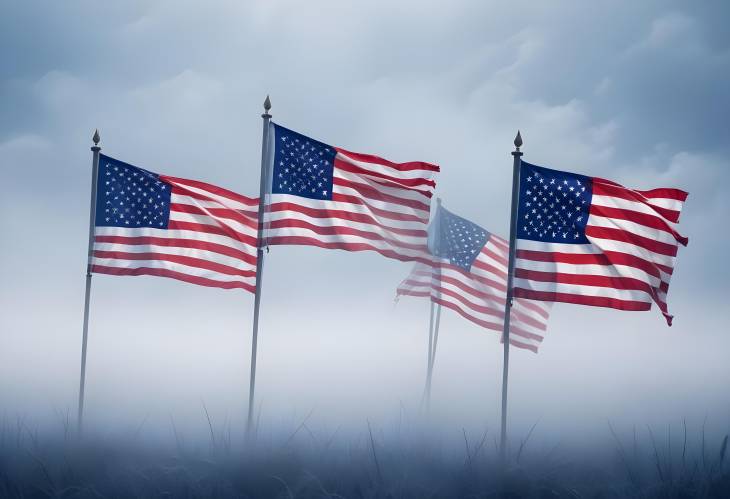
[432, 359]
[517, 161]
[92, 220]
[259, 262]
[427, 392]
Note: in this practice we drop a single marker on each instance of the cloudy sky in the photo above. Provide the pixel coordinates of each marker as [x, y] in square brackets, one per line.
[634, 92]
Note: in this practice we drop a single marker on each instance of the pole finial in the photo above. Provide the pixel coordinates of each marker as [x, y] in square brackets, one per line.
[96, 137]
[438, 201]
[518, 140]
[267, 104]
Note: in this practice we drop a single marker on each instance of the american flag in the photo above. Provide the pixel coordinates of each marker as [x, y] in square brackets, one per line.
[591, 241]
[468, 274]
[151, 224]
[332, 198]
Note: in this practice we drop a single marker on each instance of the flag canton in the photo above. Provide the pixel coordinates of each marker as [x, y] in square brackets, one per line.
[458, 239]
[302, 166]
[553, 206]
[127, 196]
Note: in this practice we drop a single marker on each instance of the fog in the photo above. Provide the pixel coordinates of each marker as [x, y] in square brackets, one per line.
[634, 93]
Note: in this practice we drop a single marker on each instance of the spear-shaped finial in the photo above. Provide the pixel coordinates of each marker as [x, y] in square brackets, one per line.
[267, 104]
[96, 137]
[518, 140]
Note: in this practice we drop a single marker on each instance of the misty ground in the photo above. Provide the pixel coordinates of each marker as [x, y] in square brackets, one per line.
[407, 460]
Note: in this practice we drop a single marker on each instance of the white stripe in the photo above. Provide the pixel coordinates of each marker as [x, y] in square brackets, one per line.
[250, 212]
[346, 239]
[339, 222]
[625, 204]
[631, 249]
[387, 170]
[588, 269]
[210, 256]
[398, 192]
[177, 267]
[633, 228]
[575, 249]
[666, 203]
[233, 225]
[582, 290]
[379, 204]
[224, 201]
[175, 234]
[359, 209]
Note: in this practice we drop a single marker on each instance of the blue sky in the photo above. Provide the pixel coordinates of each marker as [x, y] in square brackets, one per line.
[634, 92]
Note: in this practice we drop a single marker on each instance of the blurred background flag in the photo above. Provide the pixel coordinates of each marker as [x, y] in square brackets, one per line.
[591, 241]
[151, 224]
[332, 198]
[468, 274]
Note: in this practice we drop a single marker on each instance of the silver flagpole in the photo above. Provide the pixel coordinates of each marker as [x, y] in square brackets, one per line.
[517, 155]
[259, 262]
[92, 220]
[433, 355]
[427, 387]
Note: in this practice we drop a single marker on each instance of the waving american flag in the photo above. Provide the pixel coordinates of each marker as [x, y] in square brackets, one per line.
[591, 241]
[332, 198]
[468, 274]
[151, 224]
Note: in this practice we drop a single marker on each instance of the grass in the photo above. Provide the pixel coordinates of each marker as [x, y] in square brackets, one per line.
[372, 463]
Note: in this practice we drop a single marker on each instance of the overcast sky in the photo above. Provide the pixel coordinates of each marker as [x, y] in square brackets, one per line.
[636, 92]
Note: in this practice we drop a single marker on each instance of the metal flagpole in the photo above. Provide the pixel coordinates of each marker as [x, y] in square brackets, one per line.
[427, 388]
[259, 261]
[432, 359]
[92, 220]
[517, 155]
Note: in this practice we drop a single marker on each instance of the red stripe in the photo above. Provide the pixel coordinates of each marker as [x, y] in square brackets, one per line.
[607, 259]
[183, 260]
[628, 237]
[403, 167]
[619, 283]
[490, 268]
[498, 313]
[614, 190]
[373, 193]
[405, 183]
[499, 242]
[216, 213]
[393, 215]
[310, 241]
[201, 281]
[183, 183]
[221, 230]
[345, 231]
[534, 307]
[524, 346]
[595, 301]
[495, 326]
[525, 319]
[498, 285]
[488, 251]
[341, 214]
[181, 243]
[252, 212]
[650, 221]
[665, 193]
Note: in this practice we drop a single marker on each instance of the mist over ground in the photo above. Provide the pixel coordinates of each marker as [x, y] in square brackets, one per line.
[636, 93]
